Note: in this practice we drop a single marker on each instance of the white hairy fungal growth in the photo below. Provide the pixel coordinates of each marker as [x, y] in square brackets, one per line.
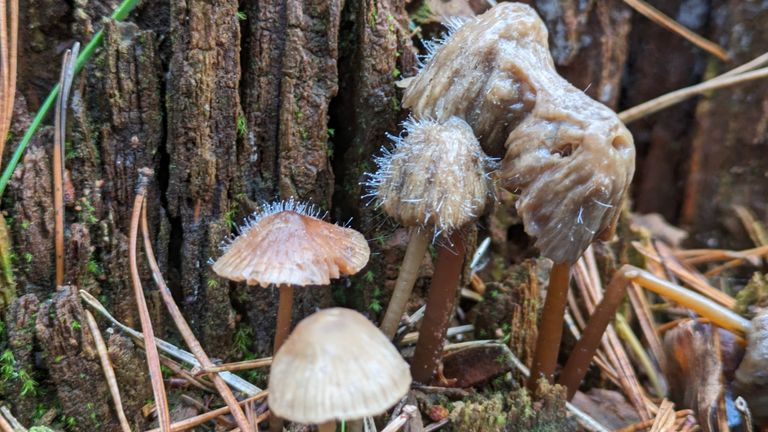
[436, 175]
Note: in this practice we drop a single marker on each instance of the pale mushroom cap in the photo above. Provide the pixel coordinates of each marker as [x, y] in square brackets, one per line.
[336, 365]
[291, 248]
[435, 176]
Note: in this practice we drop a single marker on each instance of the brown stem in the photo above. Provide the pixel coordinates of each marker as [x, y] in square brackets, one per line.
[284, 312]
[202, 418]
[327, 426]
[354, 425]
[581, 356]
[109, 373]
[186, 331]
[441, 302]
[150, 348]
[409, 272]
[551, 327]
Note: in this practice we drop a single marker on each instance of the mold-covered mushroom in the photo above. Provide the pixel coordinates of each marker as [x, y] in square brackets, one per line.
[569, 157]
[434, 181]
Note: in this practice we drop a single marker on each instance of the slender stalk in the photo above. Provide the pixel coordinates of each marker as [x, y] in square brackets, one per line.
[237, 366]
[409, 272]
[150, 348]
[327, 426]
[120, 14]
[581, 356]
[441, 302]
[284, 312]
[60, 128]
[354, 425]
[705, 307]
[210, 415]
[109, 373]
[186, 331]
[551, 327]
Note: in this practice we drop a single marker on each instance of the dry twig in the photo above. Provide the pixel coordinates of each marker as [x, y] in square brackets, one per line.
[236, 366]
[186, 331]
[60, 131]
[150, 348]
[8, 61]
[665, 101]
[663, 20]
[109, 373]
[168, 348]
[202, 418]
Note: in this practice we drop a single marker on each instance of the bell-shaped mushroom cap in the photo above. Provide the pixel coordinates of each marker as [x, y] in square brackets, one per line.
[435, 176]
[336, 365]
[290, 246]
[572, 161]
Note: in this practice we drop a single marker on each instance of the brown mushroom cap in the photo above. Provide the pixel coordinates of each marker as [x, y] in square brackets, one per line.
[289, 247]
[570, 157]
[336, 365]
[435, 176]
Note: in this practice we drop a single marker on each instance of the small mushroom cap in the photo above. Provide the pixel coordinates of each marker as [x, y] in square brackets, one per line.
[336, 365]
[435, 176]
[288, 247]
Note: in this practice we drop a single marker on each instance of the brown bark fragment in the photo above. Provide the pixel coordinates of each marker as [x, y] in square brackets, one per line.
[375, 50]
[73, 363]
[202, 131]
[132, 377]
[20, 328]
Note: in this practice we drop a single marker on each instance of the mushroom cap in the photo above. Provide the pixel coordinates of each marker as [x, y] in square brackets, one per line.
[435, 176]
[336, 365]
[292, 248]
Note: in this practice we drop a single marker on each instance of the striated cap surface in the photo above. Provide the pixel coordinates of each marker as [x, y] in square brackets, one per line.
[435, 176]
[289, 247]
[336, 365]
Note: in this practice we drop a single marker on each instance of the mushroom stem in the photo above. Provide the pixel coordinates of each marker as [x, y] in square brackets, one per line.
[581, 356]
[354, 425]
[551, 327]
[329, 426]
[441, 302]
[409, 271]
[284, 311]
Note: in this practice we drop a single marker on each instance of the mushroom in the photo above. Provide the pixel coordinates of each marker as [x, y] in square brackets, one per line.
[336, 365]
[569, 157]
[434, 181]
[286, 244]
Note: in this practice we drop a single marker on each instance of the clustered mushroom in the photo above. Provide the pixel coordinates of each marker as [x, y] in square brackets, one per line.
[568, 157]
[489, 88]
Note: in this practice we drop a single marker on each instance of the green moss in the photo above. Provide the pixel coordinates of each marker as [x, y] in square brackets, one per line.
[754, 296]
